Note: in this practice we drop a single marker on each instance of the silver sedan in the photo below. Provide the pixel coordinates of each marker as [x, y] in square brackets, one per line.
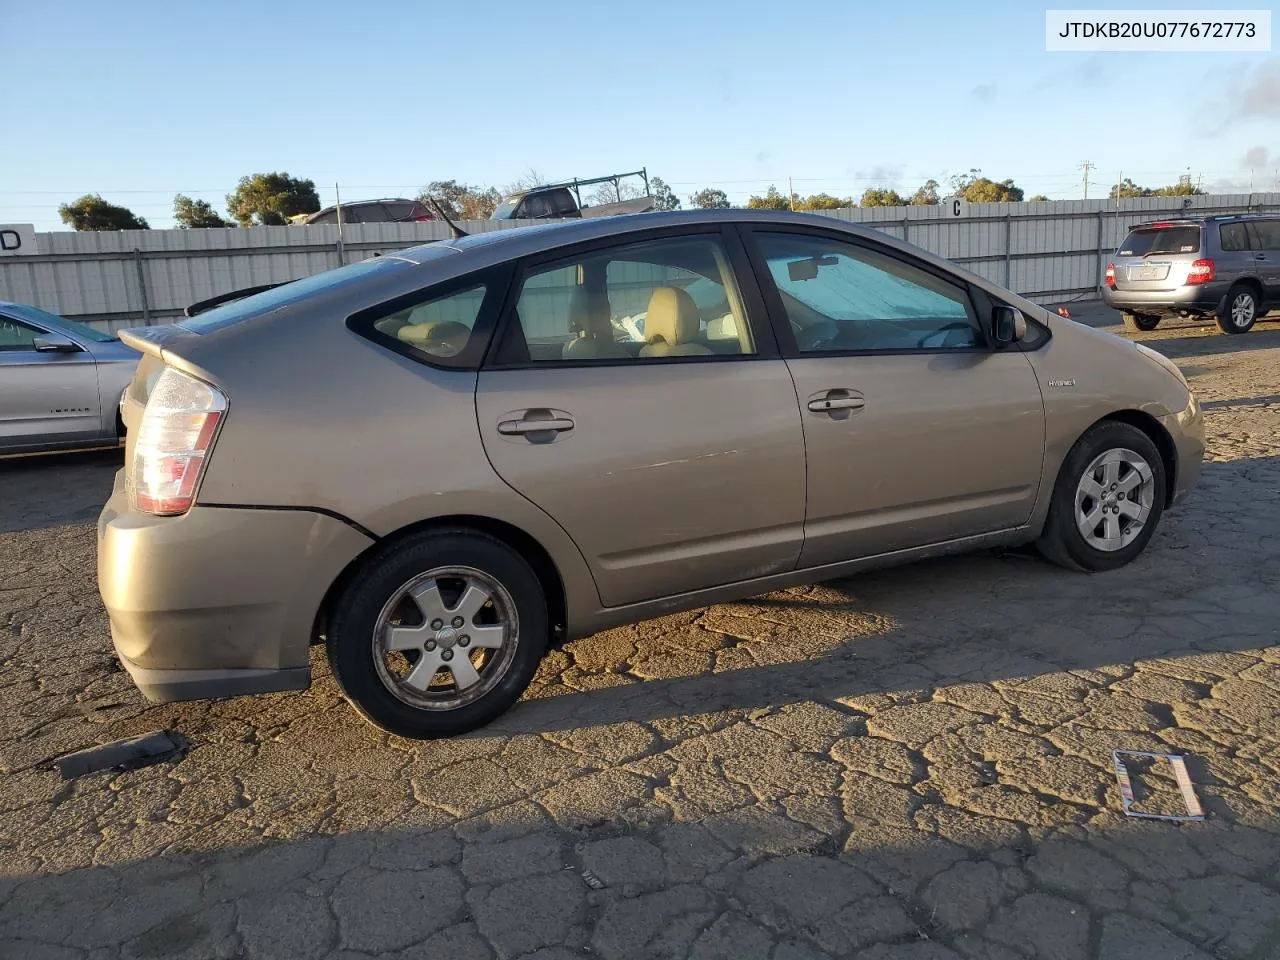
[60, 382]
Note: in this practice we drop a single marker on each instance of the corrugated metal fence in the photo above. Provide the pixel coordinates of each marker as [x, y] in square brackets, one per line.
[1051, 252]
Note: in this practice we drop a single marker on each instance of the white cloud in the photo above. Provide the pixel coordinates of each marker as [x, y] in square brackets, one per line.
[1256, 157]
[1260, 96]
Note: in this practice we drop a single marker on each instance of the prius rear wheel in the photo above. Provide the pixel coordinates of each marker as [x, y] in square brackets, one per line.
[438, 634]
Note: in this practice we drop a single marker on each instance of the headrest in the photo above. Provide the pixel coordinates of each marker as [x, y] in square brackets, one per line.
[445, 338]
[672, 316]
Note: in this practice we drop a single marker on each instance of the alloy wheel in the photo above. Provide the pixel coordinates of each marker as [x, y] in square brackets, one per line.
[1113, 499]
[445, 638]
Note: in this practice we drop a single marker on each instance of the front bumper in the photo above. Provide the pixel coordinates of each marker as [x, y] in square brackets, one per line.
[220, 601]
[1187, 431]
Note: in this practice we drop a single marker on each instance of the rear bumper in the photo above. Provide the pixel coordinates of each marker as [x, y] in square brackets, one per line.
[166, 686]
[220, 601]
[1202, 299]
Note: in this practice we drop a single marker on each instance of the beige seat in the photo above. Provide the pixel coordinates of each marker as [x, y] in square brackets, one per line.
[672, 325]
[441, 338]
[595, 339]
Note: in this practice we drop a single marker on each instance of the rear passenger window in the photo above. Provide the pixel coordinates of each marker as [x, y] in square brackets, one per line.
[440, 328]
[655, 300]
[399, 211]
[1233, 237]
[1267, 233]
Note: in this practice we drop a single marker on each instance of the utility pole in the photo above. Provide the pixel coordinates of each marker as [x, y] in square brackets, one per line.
[791, 195]
[1086, 167]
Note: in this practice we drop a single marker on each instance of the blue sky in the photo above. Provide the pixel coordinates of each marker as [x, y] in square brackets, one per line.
[140, 100]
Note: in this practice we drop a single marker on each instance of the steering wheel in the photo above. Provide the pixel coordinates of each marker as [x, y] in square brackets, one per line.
[943, 332]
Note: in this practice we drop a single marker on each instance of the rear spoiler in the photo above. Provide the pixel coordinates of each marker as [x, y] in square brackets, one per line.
[200, 306]
[1165, 223]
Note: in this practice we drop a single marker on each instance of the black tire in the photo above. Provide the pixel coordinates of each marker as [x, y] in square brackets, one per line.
[350, 639]
[1243, 296]
[1140, 321]
[1061, 541]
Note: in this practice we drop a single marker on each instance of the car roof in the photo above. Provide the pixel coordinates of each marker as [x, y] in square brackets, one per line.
[1197, 221]
[507, 244]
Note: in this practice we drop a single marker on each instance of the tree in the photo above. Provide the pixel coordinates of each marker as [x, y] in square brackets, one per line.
[926, 195]
[272, 198]
[191, 214]
[975, 188]
[772, 200]
[91, 212]
[607, 193]
[878, 197]
[822, 201]
[709, 198]
[1183, 188]
[1126, 188]
[1038, 198]
[663, 197]
[459, 200]
[528, 180]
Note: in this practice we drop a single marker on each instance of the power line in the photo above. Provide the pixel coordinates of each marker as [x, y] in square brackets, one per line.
[1086, 166]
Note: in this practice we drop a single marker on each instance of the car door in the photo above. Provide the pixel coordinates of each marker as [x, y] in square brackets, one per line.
[659, 430]
[916, 431]
[1265, 235]
[46, 398]
[1235, 257]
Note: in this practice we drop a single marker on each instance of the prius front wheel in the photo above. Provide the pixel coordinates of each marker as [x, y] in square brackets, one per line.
[1107, 501]
[438, 634]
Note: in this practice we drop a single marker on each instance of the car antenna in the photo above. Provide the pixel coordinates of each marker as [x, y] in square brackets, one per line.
[455, 231]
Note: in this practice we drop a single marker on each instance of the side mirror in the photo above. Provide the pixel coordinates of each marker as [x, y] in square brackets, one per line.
[54, 343]
[1008, 325]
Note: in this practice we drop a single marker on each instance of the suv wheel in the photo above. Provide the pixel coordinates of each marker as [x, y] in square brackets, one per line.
[1239, 311]
[1140, 321]
[438, 634]
[1107, 501]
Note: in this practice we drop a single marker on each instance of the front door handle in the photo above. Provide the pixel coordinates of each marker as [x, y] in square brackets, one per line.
[837, 402]
[536, 426]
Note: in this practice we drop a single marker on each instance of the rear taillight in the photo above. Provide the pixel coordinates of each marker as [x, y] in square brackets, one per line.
[174, 437]
[1201, 271]
[1111, 275]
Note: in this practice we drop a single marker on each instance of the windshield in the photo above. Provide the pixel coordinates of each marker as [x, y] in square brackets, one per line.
[504, 210]
[61, 324]
[259, 303]
[1147, 240]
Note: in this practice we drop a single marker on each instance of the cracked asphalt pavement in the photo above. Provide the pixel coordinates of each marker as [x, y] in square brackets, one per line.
[911, 764]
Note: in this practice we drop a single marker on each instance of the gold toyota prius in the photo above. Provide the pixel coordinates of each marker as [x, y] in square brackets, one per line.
[441, 461]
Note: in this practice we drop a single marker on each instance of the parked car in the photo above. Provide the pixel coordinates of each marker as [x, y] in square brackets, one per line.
[1225, 267]
[441, 461]
[60, 382]
[390, 210]
[563, 201]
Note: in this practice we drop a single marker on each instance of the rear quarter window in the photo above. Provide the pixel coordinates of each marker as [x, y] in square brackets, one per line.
[1147, 240]
[1233, 237]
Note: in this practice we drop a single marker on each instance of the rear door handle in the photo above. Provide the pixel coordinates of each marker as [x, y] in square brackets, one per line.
[837, 403]
[515, 427]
